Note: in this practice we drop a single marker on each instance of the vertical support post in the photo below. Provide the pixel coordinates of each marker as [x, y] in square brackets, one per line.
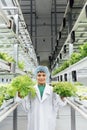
[17, 23]
[55, 19]
[51, 32]
[15, 119]
[16, 53]
[69, 20]
[73, 124]
[35, 34]
[31, 13]
[15, 111]
[70, 49]
[13, 67]
[16, 44]
[70, 43]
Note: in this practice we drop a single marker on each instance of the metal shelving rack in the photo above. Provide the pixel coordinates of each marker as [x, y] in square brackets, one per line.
[70, 16]
[72, 43]
[18, 34]
[80, 68]
[7, 110]
[15, 41]
[76, 107]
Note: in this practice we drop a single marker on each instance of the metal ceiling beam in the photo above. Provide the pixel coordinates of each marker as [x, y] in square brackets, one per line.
[59, 12]
[29, 12]
[43, 25]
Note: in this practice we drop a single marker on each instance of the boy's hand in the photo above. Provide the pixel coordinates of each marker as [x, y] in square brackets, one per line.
[19, 95]
[62, 98]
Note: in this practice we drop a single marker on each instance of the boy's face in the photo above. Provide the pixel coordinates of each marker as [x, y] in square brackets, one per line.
[41, 78]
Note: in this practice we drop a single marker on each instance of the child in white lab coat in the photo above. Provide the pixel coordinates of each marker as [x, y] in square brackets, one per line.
[42, 110]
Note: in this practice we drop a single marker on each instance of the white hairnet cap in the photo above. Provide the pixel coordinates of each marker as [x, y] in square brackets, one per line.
[43, 69]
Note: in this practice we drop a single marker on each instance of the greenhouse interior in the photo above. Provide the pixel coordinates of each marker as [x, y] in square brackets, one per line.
[49, 33]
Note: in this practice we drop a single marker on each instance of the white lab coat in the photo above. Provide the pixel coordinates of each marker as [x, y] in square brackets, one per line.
[42, 112]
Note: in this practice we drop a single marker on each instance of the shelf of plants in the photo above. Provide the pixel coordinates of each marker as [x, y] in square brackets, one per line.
[17, 55]
[75, 51]
[18, 34]
[70, 16]
[79, 67]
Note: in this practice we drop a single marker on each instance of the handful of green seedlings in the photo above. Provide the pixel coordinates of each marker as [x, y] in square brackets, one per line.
[64, 89]
[23, 85]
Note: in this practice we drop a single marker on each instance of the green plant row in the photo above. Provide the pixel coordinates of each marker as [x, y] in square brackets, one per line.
[75, 57]
[6, 57]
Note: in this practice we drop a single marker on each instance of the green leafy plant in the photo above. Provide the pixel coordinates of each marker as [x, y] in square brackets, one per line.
[6, 92]
[11, 91]
[1, 99]
[78, 84]
[21, 65]
[2, 93]
[24, 85]
[75, 57]
[6, 57]
[83, 50]
[81, 92]
[64, 89]
[62, 67]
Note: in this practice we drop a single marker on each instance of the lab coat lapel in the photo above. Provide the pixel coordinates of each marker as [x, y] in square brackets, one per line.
[37, 92]
[45, 93]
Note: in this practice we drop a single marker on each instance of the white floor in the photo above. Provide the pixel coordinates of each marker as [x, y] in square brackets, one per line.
[63, 121]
